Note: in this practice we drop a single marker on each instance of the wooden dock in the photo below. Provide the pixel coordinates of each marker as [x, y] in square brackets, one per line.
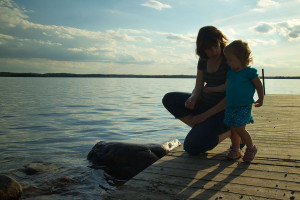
[274, 173]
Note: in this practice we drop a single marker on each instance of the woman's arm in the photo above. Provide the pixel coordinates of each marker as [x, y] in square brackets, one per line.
[220, 106]
[219, 88]
[260, 91]
[210, 112]
[191, 101]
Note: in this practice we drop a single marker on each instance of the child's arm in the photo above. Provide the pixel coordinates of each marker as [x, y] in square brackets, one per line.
[260, 91]
[219, 88]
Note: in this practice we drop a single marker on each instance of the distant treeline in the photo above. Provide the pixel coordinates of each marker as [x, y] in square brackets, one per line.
[12, 74]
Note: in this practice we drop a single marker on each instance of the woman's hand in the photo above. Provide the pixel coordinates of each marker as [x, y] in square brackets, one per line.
[190, 102]
[199, 118]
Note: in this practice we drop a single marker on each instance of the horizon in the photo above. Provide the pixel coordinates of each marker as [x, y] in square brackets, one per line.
[62, 74]
[142, 37]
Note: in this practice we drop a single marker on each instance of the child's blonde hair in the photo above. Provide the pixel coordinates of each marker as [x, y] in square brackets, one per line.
[241, 50]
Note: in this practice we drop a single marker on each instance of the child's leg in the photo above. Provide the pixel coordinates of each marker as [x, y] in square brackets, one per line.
[235, 151]
[241, 131]
[235, 138]
[251, 149]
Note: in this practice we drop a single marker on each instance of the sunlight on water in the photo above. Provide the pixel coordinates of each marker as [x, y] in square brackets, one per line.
[52, 124]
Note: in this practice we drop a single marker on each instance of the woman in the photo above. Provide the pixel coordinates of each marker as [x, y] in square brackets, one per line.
[204, 112]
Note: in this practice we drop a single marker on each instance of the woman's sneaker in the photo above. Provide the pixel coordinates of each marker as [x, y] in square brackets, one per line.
[233, 154]
[250, 154]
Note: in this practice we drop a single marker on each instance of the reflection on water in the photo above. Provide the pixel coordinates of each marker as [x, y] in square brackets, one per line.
[50, 124]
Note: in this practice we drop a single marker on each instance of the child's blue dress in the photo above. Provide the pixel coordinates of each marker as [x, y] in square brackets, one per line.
[239, 97]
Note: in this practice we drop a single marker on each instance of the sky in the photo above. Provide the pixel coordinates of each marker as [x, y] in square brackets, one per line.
[149, 37]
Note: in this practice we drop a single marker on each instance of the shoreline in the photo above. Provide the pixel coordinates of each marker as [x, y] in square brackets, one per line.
[70, 75]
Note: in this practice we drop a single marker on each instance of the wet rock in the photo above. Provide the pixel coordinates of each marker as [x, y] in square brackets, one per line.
[10, 189]
[58, 185]
[63, 181]
[36, 168]
[30, 171]
[125, 160]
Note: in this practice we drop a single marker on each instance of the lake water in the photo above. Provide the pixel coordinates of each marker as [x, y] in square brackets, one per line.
[51, 124]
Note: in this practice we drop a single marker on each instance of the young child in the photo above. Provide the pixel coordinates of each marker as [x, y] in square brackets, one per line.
[242, 80]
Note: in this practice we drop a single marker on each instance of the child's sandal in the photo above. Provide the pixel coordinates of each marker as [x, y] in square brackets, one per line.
[233, 154]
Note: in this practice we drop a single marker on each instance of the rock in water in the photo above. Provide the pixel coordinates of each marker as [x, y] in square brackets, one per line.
[125, 160]
[10, 189]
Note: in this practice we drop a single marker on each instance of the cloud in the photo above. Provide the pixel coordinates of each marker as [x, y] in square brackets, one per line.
[156, 5]
[263, 4]
[3, 36]
[267, 3]
[264, 28]
[256, 42]
[179, 37]
[289, 29]
[11, 13]
[21, 39]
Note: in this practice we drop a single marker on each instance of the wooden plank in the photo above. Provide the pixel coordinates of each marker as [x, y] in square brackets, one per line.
[238, 176]
[273, 174]
[209, 165]
[156, 192]
[169, 184]
[274, 158]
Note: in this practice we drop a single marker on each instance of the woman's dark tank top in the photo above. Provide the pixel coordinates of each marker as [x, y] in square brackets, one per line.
[212, 80]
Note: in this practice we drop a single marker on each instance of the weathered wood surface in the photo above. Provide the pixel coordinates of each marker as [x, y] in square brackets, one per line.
[274, 173]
